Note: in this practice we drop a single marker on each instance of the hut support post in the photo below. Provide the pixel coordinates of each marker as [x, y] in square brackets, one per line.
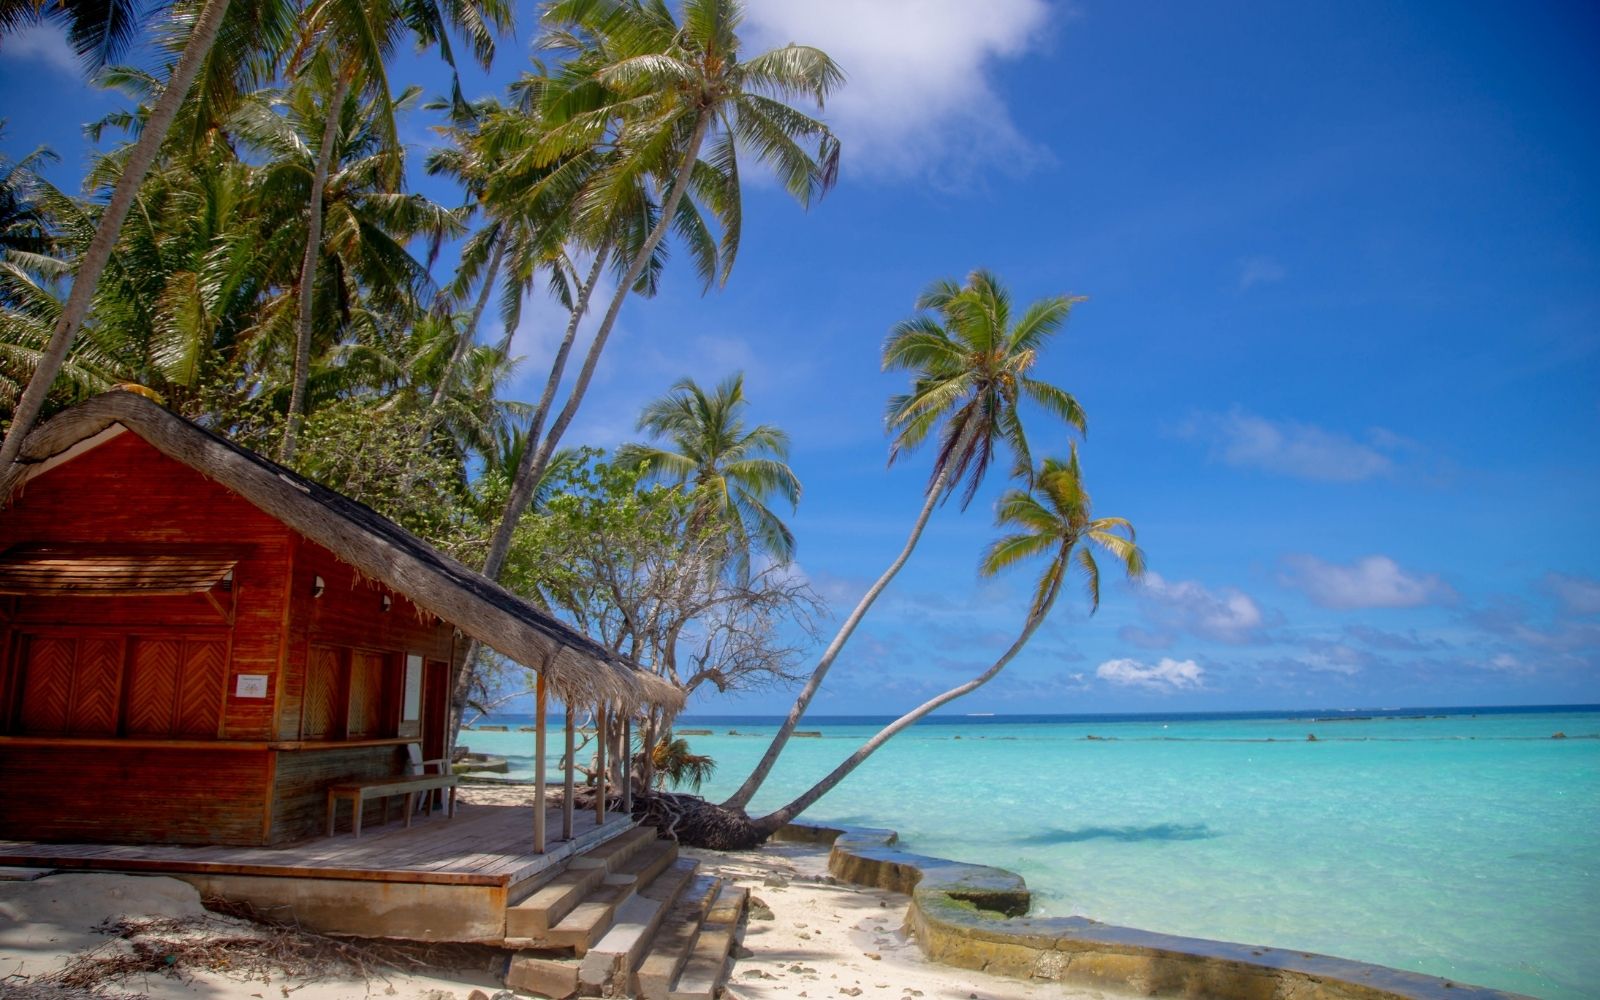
[602, 736]
[627, 764]
[541, 710]
[566, 779]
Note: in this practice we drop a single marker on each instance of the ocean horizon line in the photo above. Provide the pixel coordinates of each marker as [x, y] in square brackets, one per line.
[1341, 713]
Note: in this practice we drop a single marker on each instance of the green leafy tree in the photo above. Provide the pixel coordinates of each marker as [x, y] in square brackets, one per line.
[209, 39]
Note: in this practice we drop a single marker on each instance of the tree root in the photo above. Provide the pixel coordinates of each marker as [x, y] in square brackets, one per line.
[689, 819]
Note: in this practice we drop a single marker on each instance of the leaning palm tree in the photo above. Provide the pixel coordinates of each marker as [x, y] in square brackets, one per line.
[209, 36]
[731, 471]
[1053, 520]
[660, 92]
[971, 370]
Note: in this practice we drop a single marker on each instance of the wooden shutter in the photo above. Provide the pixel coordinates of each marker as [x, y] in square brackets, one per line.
[199, 707]
[47, 663]
[153, 686]
[368, 690]
[97, 686]
[323, 694]
[71, 686]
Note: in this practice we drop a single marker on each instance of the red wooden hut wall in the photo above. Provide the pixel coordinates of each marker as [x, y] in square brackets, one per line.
[123, 719]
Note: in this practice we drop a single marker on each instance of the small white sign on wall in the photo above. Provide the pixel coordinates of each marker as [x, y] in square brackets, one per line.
[411, 706]
[250, 686]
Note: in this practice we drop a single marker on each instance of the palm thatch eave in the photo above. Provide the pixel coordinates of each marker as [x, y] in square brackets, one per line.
[579, 670]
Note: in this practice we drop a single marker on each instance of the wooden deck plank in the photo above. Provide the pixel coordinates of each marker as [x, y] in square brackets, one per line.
[482, 845]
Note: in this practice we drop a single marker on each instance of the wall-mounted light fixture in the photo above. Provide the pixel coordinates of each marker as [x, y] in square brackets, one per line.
[317, 586]
[388, 602]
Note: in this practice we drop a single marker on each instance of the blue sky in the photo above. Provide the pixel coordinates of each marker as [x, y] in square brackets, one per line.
[1340, 353]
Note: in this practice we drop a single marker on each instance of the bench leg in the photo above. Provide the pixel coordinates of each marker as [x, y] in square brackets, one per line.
[452, 802]
[410, 798]
[356, 804]
[333, 812]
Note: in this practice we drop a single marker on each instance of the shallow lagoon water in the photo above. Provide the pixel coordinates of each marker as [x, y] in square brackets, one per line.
[1463, 846]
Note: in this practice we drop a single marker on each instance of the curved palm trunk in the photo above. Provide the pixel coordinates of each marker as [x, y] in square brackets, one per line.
[308, 272]
[469, 335]
[522, 489]
[497, 552]
[536, 456]
[741, 798]
[771, 822]
[140, 159]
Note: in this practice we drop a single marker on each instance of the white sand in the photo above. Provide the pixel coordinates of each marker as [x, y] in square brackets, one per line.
[828, 940]
[823, 939]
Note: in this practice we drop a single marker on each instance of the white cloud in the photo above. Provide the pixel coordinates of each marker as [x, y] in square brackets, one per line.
[1369, 582]
[1578, 595]
[1166, 675]
[1506, 663]
[46, 43]
[1225, 615]
[1288, 448]
[1255, 271]
[920, 98]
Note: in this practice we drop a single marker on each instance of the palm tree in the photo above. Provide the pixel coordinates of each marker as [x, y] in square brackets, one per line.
[970, 366]
[366, 274]
[659, 92]
[345, 43]
[732, 472]
[100, 31]
[1052, 520]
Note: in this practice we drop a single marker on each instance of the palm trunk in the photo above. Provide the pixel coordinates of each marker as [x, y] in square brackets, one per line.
[522, 489]
[773, 821]
[497, 556]
[469, 335]
[140, 159]
[536, 454]
[741, 798]
[308, 271]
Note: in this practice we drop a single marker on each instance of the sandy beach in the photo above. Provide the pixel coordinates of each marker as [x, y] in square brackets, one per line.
[807, 936]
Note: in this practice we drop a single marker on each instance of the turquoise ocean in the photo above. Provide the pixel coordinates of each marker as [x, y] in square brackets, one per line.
[1457, 842]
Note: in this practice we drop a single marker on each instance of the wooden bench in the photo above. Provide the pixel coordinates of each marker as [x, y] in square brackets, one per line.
[419, 781]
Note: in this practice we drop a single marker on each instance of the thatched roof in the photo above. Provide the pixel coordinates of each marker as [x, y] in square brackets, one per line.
[578, 669]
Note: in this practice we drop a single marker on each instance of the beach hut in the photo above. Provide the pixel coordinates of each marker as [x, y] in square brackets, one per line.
[197, 644]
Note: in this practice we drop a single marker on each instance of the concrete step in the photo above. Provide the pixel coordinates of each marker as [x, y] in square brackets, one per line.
[535, 915]
[707, 966]
[610, 963]
[614, 853]
[590, 919]
[674, 939]
[543, 974]
[649, 861]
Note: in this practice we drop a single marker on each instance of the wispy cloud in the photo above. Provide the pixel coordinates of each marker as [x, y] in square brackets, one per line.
[1374, 581]
[1579, 595]
[1255, 271]
[1289, 448]
[1400, 642]
[920, 98]
[1324, 657]
[1166, 675]
[1225, 614]
[43, 43]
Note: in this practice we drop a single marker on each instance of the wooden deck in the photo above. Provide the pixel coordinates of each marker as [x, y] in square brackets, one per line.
[484, 845]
